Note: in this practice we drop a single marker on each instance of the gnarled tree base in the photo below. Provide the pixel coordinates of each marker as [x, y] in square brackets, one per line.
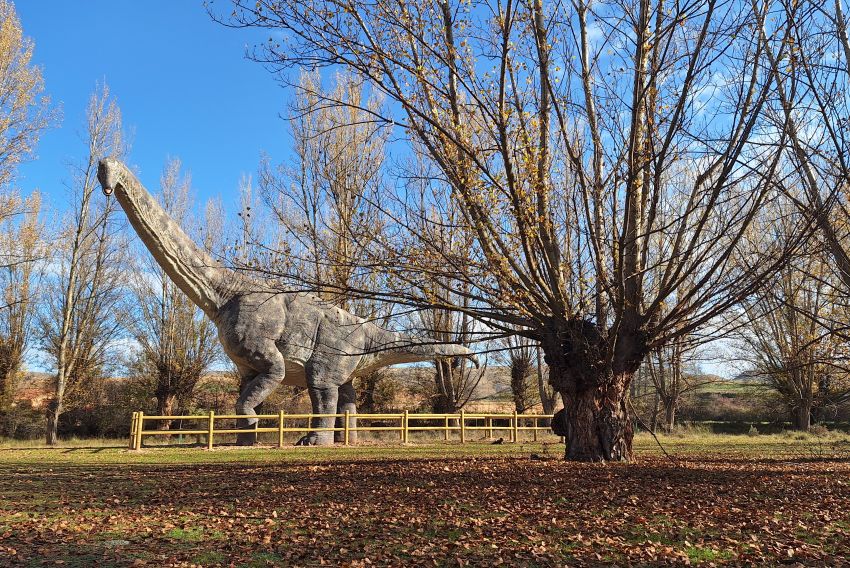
[598, 427]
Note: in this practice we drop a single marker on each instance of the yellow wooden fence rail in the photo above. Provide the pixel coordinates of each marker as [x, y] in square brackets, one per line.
[463, 423]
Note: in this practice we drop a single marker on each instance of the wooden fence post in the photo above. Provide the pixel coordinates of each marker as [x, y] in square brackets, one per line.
[490, 427]
[345, 431]
[535, 428]
[446, 430]
[280, 429]
[462, 426]
[515, 433]
[406, 430]
[210, 429]
[140, 425]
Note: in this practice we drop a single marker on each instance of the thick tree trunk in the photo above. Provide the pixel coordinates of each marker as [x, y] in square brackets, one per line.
[598, 423]
[54, 411]
[444, 399]
[593, 377]
[8, 376]
[165, 407]
[803, 416]
[520, 370]
[669, 415]
[548, 397]
[653, 422]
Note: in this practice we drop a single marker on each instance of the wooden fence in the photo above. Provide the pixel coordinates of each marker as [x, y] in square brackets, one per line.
[461, 424]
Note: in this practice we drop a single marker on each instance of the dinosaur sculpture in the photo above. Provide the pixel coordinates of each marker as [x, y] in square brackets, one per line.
[273, 337]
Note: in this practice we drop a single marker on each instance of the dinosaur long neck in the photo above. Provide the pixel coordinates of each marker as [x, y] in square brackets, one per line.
[207, 284]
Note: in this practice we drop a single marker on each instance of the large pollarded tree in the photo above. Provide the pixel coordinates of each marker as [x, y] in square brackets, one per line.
[600, 156]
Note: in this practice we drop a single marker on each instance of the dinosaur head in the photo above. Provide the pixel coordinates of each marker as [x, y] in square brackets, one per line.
[474, 360]
[461, 351]
[109, 172]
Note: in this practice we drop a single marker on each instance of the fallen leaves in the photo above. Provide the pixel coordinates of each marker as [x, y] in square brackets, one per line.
[483, 511]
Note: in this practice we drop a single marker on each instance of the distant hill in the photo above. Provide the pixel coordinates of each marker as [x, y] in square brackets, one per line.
[33, 387]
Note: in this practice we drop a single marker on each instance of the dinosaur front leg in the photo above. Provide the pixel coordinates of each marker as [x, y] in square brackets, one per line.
[252, 395]
[347, 401]
[246, 376]
[323, 399]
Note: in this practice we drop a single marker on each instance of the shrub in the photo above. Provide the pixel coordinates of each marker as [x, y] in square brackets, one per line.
[819, 430]
[23, 422]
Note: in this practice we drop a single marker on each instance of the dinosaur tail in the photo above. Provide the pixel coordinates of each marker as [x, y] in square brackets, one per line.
[412, 349]
[453, 350]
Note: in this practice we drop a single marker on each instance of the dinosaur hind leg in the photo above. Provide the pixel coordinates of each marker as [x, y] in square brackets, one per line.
[324, 401]
[347, 401]
[252, 395]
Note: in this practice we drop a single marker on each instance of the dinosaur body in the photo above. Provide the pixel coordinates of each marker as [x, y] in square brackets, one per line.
[272, 337]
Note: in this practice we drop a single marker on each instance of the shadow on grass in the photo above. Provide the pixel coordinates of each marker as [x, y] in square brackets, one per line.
[62, 449]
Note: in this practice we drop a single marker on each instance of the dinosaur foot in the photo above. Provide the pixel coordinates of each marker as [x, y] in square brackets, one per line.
[315, 439]
[339, 438]
[246, 439]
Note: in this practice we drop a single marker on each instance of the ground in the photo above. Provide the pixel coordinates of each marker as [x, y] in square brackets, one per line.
[732, 500]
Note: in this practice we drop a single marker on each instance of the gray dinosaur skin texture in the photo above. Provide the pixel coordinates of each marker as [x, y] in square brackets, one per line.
[273, 337]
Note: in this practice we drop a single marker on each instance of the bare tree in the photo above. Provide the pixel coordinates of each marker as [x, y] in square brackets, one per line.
[519, 355]
[566, 134]
[789, 344]
[24, 110]
[25, 114]
[325, 203]
[178, 343]
[673, 375]
[808, 54]
[455, 384]
[78, 322]
[21, 248]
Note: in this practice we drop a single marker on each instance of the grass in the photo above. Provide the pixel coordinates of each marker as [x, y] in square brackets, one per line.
[727, 500]
[699, 555]
[192, 534]
[684, 444]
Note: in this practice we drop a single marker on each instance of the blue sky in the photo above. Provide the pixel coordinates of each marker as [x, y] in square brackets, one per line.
[183, 84]
[182, 81]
